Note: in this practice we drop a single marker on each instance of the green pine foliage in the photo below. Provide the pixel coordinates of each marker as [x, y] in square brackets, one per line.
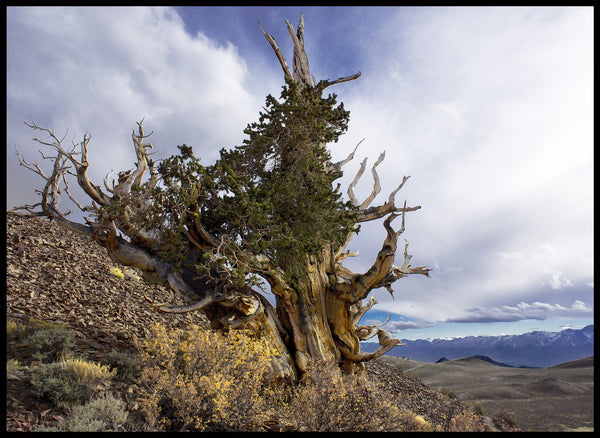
[272, 195]
[281, 200]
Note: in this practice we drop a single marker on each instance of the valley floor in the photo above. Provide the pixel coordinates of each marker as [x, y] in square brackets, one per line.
[558, 398]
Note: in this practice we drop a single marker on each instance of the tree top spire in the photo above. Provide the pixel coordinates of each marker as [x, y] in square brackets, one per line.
[301, 71]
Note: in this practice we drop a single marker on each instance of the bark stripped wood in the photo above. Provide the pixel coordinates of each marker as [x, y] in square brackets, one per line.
[301, 71]
[81, 166]
[358, 310]
[376, 184]
[328, 83]
[365, 332]
[337, 167]
[135, 178]
[352, 185]
[286, 70]
[300, 63]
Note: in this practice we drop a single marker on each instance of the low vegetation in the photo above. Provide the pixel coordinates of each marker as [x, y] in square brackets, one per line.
[46, 341]
[204, 381]
[195, 379]
[106, 413]
[70, 381]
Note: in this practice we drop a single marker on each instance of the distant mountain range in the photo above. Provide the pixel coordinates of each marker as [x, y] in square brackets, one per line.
[533, 349]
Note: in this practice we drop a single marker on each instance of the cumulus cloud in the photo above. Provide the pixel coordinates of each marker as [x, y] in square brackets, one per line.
[99, 70]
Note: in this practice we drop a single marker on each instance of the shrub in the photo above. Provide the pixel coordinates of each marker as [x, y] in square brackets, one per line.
[52, 343]
[12, 328]
[448, 392]
[69, 381]
[329, 401]
[202, 380]
[12, 365]
[199, 380]
[479, 408]
[126, 364]
[105, 413]
[503, 418]
[448, 415]
[467, 421]
[17, 330]
[101, 414]
[45, 340]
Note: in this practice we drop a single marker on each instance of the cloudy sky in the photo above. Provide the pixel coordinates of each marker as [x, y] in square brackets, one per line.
[489, 110]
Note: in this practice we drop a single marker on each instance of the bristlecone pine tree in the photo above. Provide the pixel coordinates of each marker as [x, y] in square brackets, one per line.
[266, 211]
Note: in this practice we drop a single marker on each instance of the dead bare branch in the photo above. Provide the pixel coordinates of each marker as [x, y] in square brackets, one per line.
[194, 306]
[358, 310]
[135, 177]
[385, 340]
[301, 71]
[372, 213]
[286, 70]
[72, 198]
[364, 283]
[376, 185]
[352, 185]
[300, 63]
[337, 167]
[341, 80]
[365, 332]
[34, 167]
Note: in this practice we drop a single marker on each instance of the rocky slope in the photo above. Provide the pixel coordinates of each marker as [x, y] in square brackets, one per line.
[57, 275]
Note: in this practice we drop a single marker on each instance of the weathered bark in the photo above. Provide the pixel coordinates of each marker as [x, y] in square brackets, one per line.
[316, 314]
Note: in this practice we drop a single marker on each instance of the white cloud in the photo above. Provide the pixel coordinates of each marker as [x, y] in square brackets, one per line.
[490, 110]
[581, 306]
[99, 70]
[397, 326]
[557, 281]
